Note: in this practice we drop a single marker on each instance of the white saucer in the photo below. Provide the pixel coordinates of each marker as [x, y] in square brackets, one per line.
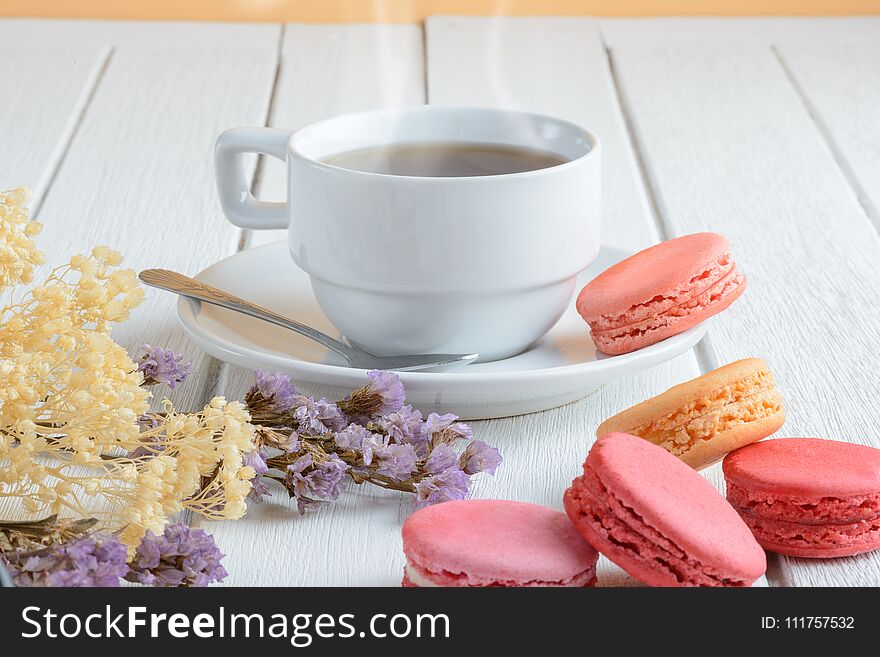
[563, 367]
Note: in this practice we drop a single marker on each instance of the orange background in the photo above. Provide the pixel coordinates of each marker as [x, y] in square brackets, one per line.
[316, 11]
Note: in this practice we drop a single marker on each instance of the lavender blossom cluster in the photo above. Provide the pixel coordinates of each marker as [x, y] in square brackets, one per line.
[180, 557]
[372, 436]
[310, 445]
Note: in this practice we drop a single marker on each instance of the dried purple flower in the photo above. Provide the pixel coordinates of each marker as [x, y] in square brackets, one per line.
[436, 423]
[330, 415]
[460, 431]
[358, 439]
[97, 560]
[384, 394]
[293, 444]
[444, 429]
[181, 556]
[312, 482]
[307, 414]
[390, 389]
[272, 392]
[441, 458]
[403, 426]
[352, 437]
[451, 484]
[257, 460]
[395, 460]
[370, 435]
[259, 490]
[479, 456]
[161, 365]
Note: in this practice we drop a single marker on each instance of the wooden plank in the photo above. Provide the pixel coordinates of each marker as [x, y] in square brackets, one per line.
[46, 90]
[840, 86]
[729, 146]
[556, 66]
[137, 172]
[150, 35]
[714, 31]
[138, 175]
[325, 70]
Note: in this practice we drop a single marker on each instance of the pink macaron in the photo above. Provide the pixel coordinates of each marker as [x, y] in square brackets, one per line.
[807, 497]
[659, 292]
[658, 519]
[495, 543]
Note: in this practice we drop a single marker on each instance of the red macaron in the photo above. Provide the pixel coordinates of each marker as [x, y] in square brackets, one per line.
[658, 519]
[807, 497]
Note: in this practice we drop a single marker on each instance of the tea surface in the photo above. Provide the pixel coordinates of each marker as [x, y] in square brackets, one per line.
[445, 159]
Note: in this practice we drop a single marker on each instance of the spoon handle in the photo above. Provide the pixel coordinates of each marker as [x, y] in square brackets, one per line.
[171, 281]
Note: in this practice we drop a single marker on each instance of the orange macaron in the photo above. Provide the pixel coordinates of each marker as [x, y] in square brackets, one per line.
[701, 420]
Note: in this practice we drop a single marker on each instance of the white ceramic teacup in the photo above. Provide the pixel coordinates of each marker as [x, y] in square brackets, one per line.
[408, 264]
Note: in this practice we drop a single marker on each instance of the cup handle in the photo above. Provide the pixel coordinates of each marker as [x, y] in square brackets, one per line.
[233, 187]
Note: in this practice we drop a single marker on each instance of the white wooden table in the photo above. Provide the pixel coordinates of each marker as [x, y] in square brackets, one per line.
[765, 130]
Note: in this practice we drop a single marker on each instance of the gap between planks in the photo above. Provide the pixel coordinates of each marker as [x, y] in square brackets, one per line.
[244, 241]
[707, 357]
[56, 159]
[840, 160]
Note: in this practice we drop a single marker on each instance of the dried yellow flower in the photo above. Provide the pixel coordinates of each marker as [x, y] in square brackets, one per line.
[71, 400]
[18, 253]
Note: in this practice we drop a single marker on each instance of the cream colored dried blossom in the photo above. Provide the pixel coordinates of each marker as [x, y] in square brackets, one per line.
[188, 461]
[70, 400]
[192, 461]
[59, 368]
[18, 253]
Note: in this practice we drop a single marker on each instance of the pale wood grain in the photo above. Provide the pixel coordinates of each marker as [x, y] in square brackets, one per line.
[714, 31]
[730, 147]
[325, 70]
[840, 86]
[150, 35]
[46, 89]
[138, 174]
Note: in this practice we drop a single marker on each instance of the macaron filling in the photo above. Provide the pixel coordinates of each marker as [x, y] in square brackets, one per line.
[412, 577]
[831, 524]
[746, 400]
[837, 540]
[594, 504]
[804, 510]
[419, 576]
